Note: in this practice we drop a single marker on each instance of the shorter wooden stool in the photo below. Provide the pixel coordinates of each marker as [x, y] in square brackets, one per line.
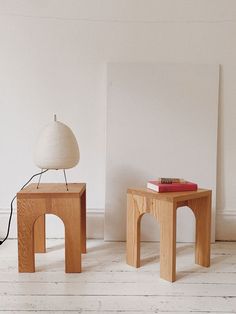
[50, 198]
[163, 207]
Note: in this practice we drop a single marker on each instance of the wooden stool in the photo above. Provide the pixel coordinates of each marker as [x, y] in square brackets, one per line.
[163, 206]
[50, 198]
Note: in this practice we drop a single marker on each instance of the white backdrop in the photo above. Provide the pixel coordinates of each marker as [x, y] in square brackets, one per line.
[161, 121]
[52, 59]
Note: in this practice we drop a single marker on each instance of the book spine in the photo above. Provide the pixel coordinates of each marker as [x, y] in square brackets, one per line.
[178, 188]
[170, 180]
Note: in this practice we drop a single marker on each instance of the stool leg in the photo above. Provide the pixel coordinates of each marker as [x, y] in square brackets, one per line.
[26, 263]
[83, 222]
[133, 233]
[168, 241]
[39, 235]
[72, 220]
[72, 249]
[202, 210]
[69, 210]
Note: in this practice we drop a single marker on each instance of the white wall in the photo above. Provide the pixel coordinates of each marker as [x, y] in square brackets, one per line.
[30, 94]
[52, 56]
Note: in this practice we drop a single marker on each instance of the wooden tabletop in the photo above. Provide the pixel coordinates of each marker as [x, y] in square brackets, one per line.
[170, 196]
[52, 189]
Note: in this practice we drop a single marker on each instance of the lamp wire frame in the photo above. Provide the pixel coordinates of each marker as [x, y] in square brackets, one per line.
[64, 172]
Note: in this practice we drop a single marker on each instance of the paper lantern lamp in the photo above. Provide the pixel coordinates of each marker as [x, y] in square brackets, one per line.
[57, 147]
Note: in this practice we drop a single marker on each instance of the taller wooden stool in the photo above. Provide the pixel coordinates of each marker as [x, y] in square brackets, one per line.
[51, 198]
[163, 207]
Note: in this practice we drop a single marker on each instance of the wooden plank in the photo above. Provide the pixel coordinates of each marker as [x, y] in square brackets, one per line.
[117, 289]
[52, 190]
[91, 311]
[119, 303]
[169, 196]
[114, 261]
[116, 264]
[222, 248]
[116, 277]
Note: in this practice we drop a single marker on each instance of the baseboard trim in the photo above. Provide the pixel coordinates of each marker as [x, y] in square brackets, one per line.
[54, 226]
[228, 212]
[225, 225]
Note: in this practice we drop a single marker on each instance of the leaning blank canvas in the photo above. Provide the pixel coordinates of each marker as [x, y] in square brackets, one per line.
[161, 122]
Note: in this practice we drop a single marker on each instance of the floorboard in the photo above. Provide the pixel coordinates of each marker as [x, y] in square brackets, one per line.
[108, 285]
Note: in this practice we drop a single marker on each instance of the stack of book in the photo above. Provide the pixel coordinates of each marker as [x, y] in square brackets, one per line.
[171, 185]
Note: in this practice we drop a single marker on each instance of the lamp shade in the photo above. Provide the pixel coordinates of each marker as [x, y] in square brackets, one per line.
[57, 147]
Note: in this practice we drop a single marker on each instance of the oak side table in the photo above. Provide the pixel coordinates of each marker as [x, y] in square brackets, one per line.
[163, 207]
[51, 198]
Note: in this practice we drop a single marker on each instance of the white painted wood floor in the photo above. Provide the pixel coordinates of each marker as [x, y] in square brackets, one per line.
[108, 285]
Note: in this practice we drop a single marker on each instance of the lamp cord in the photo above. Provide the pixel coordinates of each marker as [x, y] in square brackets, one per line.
[9, 222]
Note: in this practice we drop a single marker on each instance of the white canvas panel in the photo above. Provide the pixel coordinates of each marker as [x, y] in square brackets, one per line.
[161, 122]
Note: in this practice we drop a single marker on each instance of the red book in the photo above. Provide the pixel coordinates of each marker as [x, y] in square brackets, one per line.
[171, 187]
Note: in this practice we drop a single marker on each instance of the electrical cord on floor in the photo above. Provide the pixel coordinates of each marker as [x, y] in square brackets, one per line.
[9, 222]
